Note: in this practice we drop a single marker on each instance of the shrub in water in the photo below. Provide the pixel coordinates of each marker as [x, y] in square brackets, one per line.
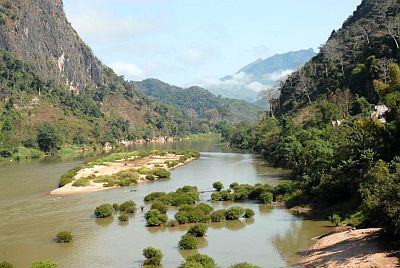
[198, 230]
[155, 218]
[218, 215]
[123, 217]
[249, 213]
[115, 206]
[244, 265]
[266, 198]
[128, 207]
[64, 237]
[187, 242]
[5, 264]
[161, 173]
[234, 213]
[172, 223]
[154, 196]
[153, 256]
[335, 218]
[43, 264]
[207, 209]
[103, 211]
[159, 206]
[150, 177]
[218, 186]
[199, 261]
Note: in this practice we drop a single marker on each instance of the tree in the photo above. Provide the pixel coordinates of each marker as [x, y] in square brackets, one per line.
[48, 138]
[128, 207]
[198, 260]
[198, 230]
[304, 84]
[155, 218]
[270, 96]
[103, 211]
[64, 237]
[187, 242]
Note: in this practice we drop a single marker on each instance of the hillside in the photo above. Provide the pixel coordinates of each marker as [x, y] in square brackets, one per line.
[199, 102]
[52, 84]
[345, 61]
[345, 157]
[260, 74]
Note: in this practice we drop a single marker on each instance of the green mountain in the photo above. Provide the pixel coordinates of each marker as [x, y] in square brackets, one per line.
[199, 102]
[54, 90]
[260, 74]
[338, 127]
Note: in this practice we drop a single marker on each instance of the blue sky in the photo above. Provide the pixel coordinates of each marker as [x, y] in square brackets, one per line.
[186, 42]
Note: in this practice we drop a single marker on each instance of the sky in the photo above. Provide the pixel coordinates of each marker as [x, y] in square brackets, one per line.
[187, 42]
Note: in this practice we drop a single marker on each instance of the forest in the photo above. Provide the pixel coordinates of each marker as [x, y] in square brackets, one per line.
[343, 152]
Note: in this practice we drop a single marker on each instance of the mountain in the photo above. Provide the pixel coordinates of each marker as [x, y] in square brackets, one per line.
[199, 101]
[260, 74]
[352, 58]
[54, 89]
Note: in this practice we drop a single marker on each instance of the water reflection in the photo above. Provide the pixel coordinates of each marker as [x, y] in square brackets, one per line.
[104, 222]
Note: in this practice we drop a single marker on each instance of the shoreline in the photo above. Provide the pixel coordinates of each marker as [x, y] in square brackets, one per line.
[112, 168]
[351, 248]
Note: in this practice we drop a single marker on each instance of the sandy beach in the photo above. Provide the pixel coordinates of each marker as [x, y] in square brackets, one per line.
[112, 168]
[352, 248]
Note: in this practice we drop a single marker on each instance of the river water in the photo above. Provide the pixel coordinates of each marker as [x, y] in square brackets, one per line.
[30, 218]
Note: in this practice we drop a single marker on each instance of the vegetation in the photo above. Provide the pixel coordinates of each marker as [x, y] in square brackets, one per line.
[187, 242]
[218, 186]
[155, 218]
[159, 206]
[6, 264]
[123, 218]
[218, 215]
[194, 214]
[187, 195]
[199, 260]
[242, 192]
[128, 207]
[234, 213]
[43, 264]
[198, 230]
[249, 213]
[153, 256]
[103, 211]
[64, 237]
[244, 265]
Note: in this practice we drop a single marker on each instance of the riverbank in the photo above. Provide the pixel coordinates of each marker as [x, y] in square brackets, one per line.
[351, 248]
[98, 175]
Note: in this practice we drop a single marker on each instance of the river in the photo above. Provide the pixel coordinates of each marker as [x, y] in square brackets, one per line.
[30, 218]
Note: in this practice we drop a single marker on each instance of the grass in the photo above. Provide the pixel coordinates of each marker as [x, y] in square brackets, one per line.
[81, 182]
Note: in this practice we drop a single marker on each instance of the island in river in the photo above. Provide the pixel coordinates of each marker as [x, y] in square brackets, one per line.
[122, 169]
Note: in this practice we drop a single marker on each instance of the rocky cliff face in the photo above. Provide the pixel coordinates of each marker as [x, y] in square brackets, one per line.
[38, 33]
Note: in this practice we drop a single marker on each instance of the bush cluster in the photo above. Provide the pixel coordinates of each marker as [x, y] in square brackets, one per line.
[155, 218]
[153, 256]
[241, 192]
[194, 214]
[198, 260]
[198, 230]
[64, 237]
[103, 211]
[187, 242]
[128, 207]
[186, 195]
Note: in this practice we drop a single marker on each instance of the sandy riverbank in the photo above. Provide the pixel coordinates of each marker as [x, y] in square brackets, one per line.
[112, 168]
[353, 248]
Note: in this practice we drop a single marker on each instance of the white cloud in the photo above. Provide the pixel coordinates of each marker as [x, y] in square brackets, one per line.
[278, 75]
[257, 86]
[198, 56]
[129, 70]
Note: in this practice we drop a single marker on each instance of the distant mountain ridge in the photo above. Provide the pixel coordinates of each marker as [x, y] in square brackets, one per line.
[260, 74]
[198, 101]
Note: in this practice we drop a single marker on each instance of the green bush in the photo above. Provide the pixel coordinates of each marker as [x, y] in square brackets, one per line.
[150, 177]
[69, 176]
[207, 209]
[103, 211]
[244, 265]
[43, 264]
[223, 195]
[199, 261]
[153, 256]
[64, 237]
[160, 206]
[198, 230]
[161, 173]
[266, 198]
[172, 223]
[123, 218]
[115, 206]
[82, 182]
[234, 213]
[249, 213]
[187, 242]
[155, 218]
[128, 207]
[154, 196]
[218, 186]
[5, 264]
[192, 214]
[144, 171]
[218, 215]
[335, 219]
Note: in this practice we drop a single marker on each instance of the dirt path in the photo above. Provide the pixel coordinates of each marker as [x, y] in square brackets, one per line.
[353, 248]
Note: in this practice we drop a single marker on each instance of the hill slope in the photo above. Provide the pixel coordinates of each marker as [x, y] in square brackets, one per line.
[260, 74]
[200, 101]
